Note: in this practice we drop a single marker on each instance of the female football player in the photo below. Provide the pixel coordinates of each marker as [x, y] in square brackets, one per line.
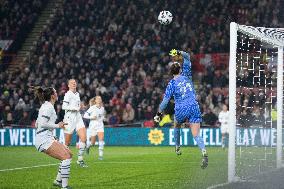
[96, 114]
[224, 123]
[186, 106]
[71, 105]
[45, 141]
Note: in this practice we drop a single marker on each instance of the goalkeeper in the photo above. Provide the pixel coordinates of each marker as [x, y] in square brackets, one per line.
[186, 106]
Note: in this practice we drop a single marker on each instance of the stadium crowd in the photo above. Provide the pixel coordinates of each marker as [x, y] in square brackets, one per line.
[17, 19]
[118, 50]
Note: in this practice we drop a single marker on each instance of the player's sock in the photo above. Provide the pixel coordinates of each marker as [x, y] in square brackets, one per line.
[89, 145]
[200, 143]
[223, 142]
[101, 148]
[58, 177]
[177, 136]
[82, 147]
[65, 172]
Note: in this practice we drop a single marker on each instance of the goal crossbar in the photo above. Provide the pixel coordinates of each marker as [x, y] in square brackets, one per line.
[273, 36]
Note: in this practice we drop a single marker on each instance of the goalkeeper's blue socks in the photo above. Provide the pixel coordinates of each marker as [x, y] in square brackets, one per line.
[177, 136]
[200, 142]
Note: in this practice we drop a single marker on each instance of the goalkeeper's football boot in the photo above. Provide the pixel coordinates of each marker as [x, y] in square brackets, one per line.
[178, 150]
[82, 163]
[57, 183]
[204, 162]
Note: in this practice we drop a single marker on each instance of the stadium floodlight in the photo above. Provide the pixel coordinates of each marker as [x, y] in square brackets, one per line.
[256, 54]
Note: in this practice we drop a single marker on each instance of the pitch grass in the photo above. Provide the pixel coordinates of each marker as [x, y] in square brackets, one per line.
[122, 167]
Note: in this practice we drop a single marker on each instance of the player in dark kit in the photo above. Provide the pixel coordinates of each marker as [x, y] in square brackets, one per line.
[186, 106]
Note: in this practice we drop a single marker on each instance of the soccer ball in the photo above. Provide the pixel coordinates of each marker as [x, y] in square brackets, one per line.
[165, 17]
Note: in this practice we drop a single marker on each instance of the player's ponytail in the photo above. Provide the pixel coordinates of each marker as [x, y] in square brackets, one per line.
[38, 92]
[43, 94]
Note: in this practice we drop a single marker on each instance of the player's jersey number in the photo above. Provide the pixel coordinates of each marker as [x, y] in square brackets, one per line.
[184, 87]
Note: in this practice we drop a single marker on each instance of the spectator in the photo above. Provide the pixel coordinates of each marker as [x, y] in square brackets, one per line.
[139, 114]
[210, 118]
[245, 119]
[128, 114]
[8, 119]
[25, 120]
[149, 113]
[17, 19]
[114, 59]
[21, 105]
[113, 119]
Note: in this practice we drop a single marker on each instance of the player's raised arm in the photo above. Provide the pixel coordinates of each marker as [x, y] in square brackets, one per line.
[186, 67]
[177, 56]
[185, 55]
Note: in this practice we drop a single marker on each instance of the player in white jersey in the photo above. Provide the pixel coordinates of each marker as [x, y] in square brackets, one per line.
[224, 121]
[96, 115]
[71, 105]
[44, 139]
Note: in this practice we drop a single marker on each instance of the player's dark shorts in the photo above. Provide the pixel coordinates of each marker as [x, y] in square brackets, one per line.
[191, 113]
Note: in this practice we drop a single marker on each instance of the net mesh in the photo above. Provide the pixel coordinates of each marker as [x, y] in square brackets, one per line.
[256, 106]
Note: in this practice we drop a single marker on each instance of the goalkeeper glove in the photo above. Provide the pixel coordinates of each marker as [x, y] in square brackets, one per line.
[158, 117]
[174, 52]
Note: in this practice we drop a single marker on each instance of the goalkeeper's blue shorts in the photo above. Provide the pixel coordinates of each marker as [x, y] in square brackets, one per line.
[191, 113]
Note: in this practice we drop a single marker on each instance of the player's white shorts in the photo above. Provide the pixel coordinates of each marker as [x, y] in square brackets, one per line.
[224, 129]
[44, 141]
[95, 129]
[74, 120]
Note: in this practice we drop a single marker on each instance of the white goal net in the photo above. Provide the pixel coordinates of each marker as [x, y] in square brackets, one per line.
[255, 100]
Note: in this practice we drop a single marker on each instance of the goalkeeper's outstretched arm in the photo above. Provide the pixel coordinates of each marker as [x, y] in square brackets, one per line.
[166, 99]
[186, 67]
[185, 55]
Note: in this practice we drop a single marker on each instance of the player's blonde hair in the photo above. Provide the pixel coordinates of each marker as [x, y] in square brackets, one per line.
[99, 97]
[92, 101]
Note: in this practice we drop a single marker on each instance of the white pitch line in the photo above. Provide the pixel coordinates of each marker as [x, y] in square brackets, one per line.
[141, 162]
[151, 162]
[217, 185]
[20, 168]
[102, 162]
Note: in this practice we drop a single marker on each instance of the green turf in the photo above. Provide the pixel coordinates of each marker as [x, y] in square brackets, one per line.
[122, 167]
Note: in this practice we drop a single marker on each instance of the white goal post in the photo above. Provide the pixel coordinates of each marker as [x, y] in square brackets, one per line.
[275, 37]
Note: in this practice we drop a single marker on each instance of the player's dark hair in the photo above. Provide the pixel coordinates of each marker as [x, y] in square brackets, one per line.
[175, 68]
[43, 94]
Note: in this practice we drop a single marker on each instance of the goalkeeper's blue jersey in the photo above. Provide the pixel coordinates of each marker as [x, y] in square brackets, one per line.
[181, 87]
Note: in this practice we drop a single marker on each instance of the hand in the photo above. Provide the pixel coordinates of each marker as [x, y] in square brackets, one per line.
[174, 52]
[158, 117]
[62, 125]
[94, 118]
